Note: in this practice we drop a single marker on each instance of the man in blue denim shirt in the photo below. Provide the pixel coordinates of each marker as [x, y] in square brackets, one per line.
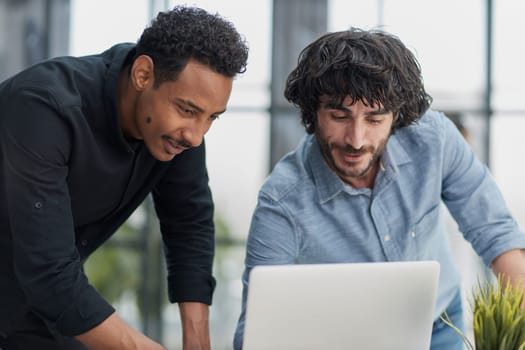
[367, 182]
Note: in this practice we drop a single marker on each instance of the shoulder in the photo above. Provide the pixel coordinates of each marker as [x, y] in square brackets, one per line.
[433, 140]
[431, 121]
[65, 80]
[290, 175]
[429, 130]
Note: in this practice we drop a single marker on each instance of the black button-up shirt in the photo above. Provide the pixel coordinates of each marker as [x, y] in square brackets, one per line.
[69, 179]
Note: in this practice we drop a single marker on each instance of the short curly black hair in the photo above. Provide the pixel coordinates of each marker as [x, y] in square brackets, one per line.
[371, 66]
[183, 33]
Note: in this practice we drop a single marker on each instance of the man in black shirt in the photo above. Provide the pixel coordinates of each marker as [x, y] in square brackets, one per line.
[82, 142]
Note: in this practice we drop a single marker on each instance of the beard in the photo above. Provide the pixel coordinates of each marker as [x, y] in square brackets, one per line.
[333, 153]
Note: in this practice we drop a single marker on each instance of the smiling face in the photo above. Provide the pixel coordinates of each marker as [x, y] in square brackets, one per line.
[352, 137]
[175, 115]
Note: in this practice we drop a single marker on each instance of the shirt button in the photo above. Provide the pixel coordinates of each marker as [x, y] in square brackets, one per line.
[387, 237]
[38, 205]
[83, 242]
[413, 234]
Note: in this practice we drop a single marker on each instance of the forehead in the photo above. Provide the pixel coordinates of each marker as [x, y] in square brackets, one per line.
[326, 101]
[201, 85]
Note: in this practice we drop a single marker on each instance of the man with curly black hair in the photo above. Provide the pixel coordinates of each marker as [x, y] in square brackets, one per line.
[83, 141]
[367, 181]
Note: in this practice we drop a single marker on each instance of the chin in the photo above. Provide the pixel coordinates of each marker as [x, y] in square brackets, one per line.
[166, 158]
[162, 156]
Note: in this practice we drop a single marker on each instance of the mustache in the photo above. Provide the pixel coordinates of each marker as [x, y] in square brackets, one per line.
[355, 151]
[183, 143]
[178, 142]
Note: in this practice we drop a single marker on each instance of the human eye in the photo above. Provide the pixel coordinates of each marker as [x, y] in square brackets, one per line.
[214, 117]
[377, 117]
[187, 111]
[375, 121]
[338, 116]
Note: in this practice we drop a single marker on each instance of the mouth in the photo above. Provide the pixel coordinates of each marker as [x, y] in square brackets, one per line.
[173, 147]
[352, 157]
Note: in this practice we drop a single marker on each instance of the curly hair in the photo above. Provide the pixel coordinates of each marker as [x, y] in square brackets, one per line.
[183, 33]
[369, 66]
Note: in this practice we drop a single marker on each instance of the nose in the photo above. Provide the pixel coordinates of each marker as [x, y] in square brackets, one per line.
[192, 138]
[355, 134]
[194, 134]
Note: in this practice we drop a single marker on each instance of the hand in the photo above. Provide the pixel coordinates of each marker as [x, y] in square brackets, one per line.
[114, 334]
[138, 341]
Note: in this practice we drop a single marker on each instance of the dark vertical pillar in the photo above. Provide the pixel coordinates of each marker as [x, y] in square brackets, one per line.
[295, 24]
[57, 19]
[152, 289]
[30, 31]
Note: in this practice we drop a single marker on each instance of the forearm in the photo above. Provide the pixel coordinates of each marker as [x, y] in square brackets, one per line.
[195, 326]
[114, 334]
[511, 265]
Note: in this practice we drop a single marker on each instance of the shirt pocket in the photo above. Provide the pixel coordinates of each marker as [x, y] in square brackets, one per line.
[424, 235]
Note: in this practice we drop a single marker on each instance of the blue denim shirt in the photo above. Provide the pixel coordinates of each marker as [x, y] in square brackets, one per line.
[306, 214]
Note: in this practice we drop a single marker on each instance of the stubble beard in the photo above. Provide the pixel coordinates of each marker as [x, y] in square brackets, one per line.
[346, 169]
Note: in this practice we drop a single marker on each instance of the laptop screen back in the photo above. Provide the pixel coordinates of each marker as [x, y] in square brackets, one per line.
[373, 306]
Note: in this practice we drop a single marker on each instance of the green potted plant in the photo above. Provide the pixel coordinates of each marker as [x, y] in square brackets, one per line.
[498, 317]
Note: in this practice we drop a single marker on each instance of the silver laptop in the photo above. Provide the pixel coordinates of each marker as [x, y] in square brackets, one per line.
[361, 306]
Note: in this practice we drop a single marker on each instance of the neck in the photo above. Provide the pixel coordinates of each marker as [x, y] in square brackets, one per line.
[365, 181]
[126, 97]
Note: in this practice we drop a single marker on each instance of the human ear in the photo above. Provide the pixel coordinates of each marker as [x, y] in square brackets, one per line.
[396, 116]
[142, 72]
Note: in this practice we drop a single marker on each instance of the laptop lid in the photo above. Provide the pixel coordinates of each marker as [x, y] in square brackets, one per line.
[373, 306]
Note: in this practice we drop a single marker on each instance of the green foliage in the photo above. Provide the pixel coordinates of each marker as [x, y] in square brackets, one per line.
[223, 250]
[498, 319]
[112, 270]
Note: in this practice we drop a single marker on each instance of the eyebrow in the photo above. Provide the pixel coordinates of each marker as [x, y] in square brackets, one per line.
[190, 104]
[336, 106]
[193, 105]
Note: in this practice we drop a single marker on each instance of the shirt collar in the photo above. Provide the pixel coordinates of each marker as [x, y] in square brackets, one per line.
[329, 185]
[117, 57]
[395, 155]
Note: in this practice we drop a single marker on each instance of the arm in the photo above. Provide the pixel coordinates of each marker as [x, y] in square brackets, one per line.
[114, 334]
[272, 240]
[35, 145]
[184, 206]
[511, 265]
[475, 201]
[35, 141]
[195, 326]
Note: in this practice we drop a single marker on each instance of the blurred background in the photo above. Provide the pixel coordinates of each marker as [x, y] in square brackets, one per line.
[471, 53]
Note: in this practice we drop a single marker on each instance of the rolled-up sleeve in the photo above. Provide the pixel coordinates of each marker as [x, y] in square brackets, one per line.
[475, 201]
[35, 149]
[184, 205]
